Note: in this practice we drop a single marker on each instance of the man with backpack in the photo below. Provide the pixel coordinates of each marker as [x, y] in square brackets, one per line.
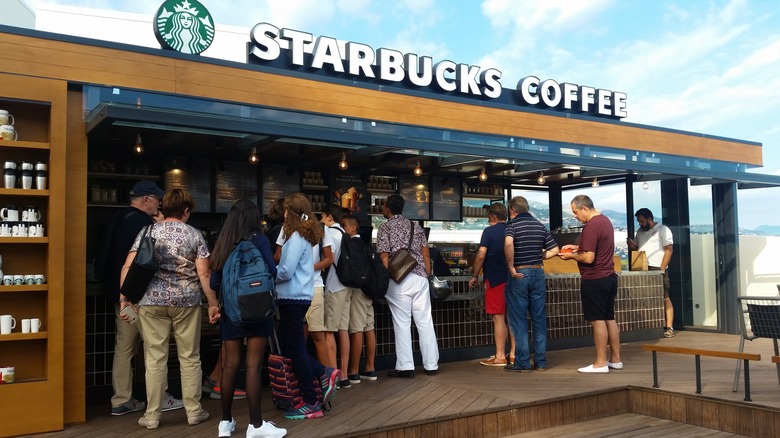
[337, 295]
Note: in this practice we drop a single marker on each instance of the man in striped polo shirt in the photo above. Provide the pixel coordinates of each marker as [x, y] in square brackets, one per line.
[526, 243]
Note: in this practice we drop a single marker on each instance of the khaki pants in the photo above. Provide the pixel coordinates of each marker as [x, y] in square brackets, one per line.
[158, 323]
[126, 344]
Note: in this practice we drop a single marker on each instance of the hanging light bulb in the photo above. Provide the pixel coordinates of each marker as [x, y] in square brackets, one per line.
[645, 185]
[343, 165]
[483, 175]
[541, 179]
[417, 169]
[253, 158]
[595, 182]
[138, 149]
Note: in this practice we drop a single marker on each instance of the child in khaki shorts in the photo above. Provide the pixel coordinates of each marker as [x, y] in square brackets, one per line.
[361, 321]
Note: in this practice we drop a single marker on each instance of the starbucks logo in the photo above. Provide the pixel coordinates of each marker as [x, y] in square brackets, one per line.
[185, 26]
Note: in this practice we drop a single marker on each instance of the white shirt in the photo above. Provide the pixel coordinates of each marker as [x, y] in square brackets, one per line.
[653, 241]
[332, 283]
[326, 241]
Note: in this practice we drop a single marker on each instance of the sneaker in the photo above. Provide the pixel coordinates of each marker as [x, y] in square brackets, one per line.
[304, 410]
[212, 389]
[328, 384]
[354, 378]
[401, 373]
[516, 368]
[171, 404]
[203, 416]
[346, 383]
[226, 428]
[208, 385]
[493, 361]
[131, 405]
[267, 430]
[615, 365]
[669, 332]
[590, 369]
[368, 375]
[149, 424]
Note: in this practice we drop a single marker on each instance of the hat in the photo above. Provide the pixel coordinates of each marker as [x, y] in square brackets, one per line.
[146, 188]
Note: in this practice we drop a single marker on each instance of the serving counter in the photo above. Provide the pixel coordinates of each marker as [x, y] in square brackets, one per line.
[465, 332]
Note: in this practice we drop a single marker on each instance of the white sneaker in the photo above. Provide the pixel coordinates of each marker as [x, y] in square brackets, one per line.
[615, 365]
[226, 428]
[267, 430]
[171, 404]
[590, 369]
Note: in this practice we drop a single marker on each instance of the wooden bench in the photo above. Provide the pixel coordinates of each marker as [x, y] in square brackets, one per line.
[746, 357]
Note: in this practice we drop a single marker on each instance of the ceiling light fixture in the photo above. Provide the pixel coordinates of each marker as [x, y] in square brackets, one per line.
[417, 169]
[343, 165]
[595, 182]
[253, 158]
[483, 175]
[138, 149]
[541, 179]
[645, 185]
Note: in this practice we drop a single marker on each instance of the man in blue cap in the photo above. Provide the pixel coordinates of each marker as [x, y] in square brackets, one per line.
[121, 230]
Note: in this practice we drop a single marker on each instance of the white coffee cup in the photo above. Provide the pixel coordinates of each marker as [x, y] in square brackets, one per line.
[7, 323]
[8, 280]
[31, 214]
[35, 325]
[7, 132]
[39, 231]
[40, 279]
[5, 229]
[9, 213]
[25, 326]
[19, 230]
[6, 118]
[18, 280]
[7, 374]
[29, 279]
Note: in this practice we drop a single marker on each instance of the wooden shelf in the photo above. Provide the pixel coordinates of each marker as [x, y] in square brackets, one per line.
[127, 176]
[24, 288]
[23, 336]
[24, 144]
[381, 191]
[481, 196]
[23, 192]
[24, 240]
[313, 187]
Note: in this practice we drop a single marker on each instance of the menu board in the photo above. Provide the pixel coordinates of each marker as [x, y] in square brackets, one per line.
[235, 181]
[195, 178]
[416, 192]
[447, 199]
[278, 182]
[351, 193]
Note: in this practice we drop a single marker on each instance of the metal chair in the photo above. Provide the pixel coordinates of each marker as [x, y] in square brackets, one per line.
[759, 318]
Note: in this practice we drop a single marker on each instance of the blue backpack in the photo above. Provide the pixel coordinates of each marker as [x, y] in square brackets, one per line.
[247, 286]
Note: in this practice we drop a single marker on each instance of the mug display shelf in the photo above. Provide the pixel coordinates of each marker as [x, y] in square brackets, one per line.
[24, 288]
[24, 239]
[122, 176]
[24, 192]
[24, 336]
[24, 144]
[320, 188]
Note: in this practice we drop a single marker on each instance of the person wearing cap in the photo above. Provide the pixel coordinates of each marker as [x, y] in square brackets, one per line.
[120, 232]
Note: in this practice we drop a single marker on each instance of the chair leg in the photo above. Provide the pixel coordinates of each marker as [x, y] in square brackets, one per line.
[735, 388]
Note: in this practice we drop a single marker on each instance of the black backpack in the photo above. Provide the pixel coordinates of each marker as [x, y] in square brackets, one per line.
[354, 258]
[378, 279]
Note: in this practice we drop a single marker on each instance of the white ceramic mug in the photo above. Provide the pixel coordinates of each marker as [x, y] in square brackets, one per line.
[7, 374]
[6, 118]
[5, 229]
[19, 230]
[8, 280]
[25, 326]
[18, 280]
[7, 323]
[7, 132]
[35, 325]
[31, 214]
[9, 213]
[40, 279]
[29, 279]
[39, 231]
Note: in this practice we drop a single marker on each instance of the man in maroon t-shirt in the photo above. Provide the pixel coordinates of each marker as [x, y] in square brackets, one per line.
[598, 282]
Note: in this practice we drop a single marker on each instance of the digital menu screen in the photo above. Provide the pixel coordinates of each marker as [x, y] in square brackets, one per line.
[446, 199]
[416, 192]
[278, 182]
[235, 181]
[194, 177]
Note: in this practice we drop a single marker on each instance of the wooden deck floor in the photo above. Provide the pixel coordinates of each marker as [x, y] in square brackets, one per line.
[465, 390]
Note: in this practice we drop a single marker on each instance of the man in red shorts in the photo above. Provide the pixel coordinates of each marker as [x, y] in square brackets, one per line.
[490, 259]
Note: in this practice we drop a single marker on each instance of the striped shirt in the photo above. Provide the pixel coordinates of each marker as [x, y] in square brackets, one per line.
[531, 237]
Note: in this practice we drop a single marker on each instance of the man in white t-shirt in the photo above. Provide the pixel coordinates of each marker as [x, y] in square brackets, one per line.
[337, 296]
[656, 241]
[315, 316]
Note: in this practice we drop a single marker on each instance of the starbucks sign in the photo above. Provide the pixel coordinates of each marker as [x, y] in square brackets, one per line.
[185, 26]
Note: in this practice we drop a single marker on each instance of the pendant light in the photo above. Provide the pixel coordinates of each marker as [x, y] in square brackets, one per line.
[253, 158]
[417, 169]
[343, 165]
[595, 182]
[541, 179]
[483, 175]
[138, 149]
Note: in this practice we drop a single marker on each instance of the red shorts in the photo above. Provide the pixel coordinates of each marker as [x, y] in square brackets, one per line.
[495, 299]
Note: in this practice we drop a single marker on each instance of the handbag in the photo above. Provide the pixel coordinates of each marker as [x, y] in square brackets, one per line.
[440, 290]
[402, 262]
[141, 271]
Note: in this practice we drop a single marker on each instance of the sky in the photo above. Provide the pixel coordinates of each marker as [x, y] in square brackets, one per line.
[705, 66]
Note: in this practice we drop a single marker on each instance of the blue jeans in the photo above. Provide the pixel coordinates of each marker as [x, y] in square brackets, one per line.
[523, 296]
[293, 346]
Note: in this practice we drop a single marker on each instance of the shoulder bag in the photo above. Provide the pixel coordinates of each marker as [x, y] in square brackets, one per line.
[402, 262]
[141, 271]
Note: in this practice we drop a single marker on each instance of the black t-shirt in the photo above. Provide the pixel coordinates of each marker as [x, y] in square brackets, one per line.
[119, 236]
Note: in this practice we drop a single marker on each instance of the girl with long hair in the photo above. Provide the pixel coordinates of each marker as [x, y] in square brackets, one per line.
[243, 222]
[295, 289]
